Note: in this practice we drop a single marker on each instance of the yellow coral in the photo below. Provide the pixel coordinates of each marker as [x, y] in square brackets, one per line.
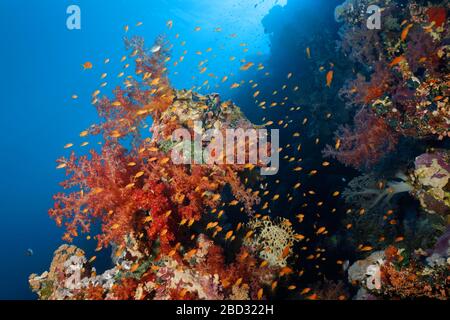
[272, 239]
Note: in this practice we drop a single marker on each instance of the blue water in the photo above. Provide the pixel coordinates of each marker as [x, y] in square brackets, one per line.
[41, 69]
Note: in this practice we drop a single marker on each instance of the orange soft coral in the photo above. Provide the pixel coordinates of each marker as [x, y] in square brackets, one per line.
[134, 187]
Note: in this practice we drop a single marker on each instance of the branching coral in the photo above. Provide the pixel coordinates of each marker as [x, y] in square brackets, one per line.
[273, 240]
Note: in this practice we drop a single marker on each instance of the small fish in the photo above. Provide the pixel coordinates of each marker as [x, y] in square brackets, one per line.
[330, 75]
[134, 267]
[338, 144]
[155, 49]
[87, 65]
[286, 251]
[139, 174]
[321, 230]
[260, 294]
[228, 234]
[406, 31]
[397, 61]
[305, 291]
[308, 52]
[61, 166]
[247, 66]
[190, 254]
[274, 285]
[197, 29]
[169, 24]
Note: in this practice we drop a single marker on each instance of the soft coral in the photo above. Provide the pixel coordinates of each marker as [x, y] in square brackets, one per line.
[365, 144]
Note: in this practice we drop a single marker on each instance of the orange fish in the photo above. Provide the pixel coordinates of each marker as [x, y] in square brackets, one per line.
[260, 294]
[330, 75]
[305, 291]
[87, 65]
[405, 31]
[229, 234]
[397, 61]
[247, 66]
[286, 251]
[366, 248]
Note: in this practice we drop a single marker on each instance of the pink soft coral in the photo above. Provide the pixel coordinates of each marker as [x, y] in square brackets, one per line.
[365, 144]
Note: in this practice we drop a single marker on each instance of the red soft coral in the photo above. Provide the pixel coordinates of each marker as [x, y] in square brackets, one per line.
[365, 144]
[137, 189]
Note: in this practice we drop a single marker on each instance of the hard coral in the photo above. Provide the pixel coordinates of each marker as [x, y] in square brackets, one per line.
[273, 240]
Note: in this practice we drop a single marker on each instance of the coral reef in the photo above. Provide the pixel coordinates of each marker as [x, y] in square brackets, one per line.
[396, 274]
[154, 212]
[201, 274]
[403, 73]
[401, 79]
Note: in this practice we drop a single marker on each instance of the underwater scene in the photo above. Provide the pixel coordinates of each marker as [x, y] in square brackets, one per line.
[225, 150]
